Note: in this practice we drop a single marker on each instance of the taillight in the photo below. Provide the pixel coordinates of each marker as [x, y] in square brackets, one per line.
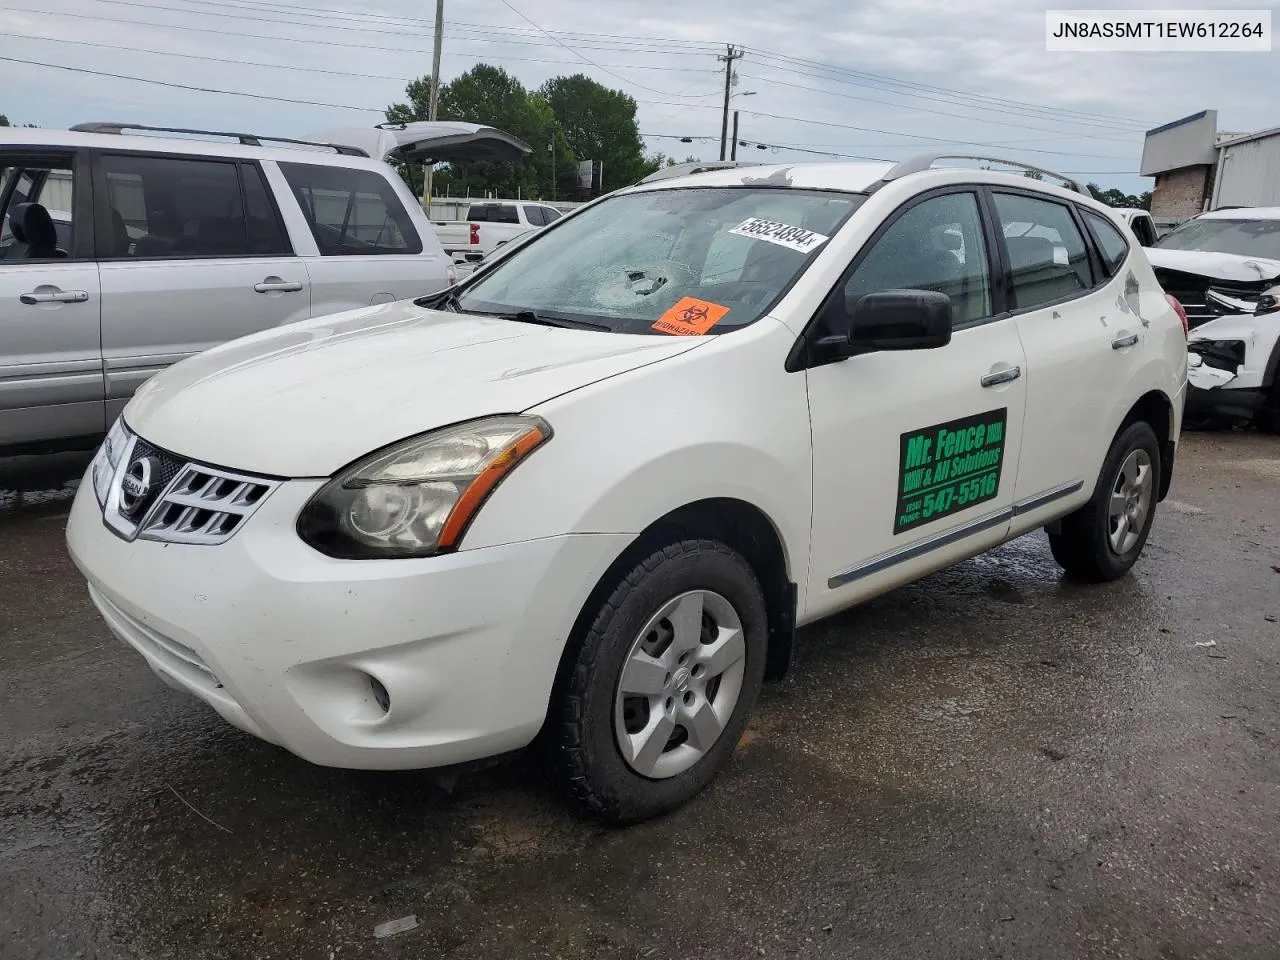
[475, 233]
[1180, 311]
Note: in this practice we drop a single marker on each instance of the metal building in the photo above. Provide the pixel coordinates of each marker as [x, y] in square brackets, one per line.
[1197, 168]
[1248, 171]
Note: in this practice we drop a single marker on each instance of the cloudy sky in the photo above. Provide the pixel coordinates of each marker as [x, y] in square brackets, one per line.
[876, 80]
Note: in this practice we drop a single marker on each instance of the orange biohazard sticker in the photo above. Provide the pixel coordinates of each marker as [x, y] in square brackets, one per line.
[691, 317]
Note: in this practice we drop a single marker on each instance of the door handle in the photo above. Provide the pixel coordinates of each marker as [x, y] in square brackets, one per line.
[1128, 340]
[1008, 375]
[61, 296]
[274, 284]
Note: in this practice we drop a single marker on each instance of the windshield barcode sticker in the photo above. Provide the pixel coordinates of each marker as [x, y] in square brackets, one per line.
[783, 234]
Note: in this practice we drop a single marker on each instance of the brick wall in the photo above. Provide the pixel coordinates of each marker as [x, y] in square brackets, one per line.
[1180, 194]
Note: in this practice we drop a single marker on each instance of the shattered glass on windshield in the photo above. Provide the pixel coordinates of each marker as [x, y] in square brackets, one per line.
[627, 263]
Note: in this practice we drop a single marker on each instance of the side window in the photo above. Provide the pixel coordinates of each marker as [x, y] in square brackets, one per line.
[1111, 244]
[1047, 256]
[351, 212]
[1145, 230]
[266, 234]
[171, 207]
[550, 214]
[36, 222]
[935, 245]
[534, 216]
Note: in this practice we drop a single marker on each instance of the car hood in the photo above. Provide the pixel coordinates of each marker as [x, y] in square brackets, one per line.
[1216, 266]
[306, 399]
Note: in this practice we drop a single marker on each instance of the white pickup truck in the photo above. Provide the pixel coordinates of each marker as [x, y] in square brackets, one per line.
[488, 225]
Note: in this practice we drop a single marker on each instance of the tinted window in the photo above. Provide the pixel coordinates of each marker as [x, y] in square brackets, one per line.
[1144, 229]
[534, 216]
[936, 245]
[171, 207]
[494, 213]
[266, 234]
[36, 223]
[1047, 255]
[550, 214]
[1111, 244]
[351, 212]
[665, 262]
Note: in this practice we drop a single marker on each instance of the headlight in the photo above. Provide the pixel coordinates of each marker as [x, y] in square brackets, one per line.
[108, 457]
[416, 498]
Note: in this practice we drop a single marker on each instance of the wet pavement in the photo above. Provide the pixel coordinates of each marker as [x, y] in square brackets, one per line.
[992, 763]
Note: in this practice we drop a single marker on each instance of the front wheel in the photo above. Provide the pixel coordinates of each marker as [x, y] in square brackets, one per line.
[1105, 537]
[662, 683]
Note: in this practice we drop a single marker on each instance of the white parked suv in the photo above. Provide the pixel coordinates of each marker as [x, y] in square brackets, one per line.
[593, 490]
[124, 248]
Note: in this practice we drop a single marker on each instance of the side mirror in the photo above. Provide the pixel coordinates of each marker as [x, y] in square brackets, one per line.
[899, 320]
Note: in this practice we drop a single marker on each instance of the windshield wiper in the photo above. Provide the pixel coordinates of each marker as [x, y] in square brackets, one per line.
[547, 320]
[446, 299]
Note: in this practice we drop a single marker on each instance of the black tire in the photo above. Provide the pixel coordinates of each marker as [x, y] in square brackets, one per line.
[1268, 418]
[1082, 546]
[583, 752]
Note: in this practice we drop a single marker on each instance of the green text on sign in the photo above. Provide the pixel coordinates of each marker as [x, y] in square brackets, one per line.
[948, 467]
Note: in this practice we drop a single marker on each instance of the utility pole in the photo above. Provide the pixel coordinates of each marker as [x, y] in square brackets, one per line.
[434, 102]
[733, 150]
[551, 149]
[731, 56]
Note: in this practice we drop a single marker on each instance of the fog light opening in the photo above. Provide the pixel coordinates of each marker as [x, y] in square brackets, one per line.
[380, 695]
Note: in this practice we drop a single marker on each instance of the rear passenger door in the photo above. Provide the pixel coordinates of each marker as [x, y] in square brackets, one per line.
[192, 252]
[1079, 332]
[50, 356]
[367, 247]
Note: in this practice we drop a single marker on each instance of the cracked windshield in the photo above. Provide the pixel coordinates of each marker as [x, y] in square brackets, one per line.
[674, 262]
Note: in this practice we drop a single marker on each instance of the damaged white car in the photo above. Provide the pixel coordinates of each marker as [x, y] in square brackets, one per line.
[1224, 268]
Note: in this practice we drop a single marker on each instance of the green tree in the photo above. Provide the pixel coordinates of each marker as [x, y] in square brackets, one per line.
[1118, 198]
[491, 96]
[4, 121]
[599, 124]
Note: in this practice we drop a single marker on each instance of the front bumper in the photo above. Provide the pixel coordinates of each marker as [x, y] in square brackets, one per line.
[284, 642]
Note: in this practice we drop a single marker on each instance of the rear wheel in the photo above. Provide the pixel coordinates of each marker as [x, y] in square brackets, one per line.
[1105, 537]
[662, 683]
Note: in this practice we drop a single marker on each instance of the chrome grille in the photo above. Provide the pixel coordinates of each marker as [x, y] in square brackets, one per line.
[184, 501]
[204, 505]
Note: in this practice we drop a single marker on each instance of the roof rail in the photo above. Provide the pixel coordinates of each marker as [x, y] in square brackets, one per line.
[925, 161]
[248, 139]
[691, 167]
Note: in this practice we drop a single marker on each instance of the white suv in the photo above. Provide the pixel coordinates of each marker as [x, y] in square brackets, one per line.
[124, 248]
[593, 490]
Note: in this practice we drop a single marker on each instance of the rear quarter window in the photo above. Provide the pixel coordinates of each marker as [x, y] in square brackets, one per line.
[1111, 244]
[352, 212]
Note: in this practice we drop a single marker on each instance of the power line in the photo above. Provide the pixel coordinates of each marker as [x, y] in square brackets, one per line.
[235, 33]
[329, 13]
[891, 87]
[483, 38]
[255, 96]
[915, 136]
[187, 86]
[908, 106]
[884, 79]
[905, 106]
[576, 53]
[296, 68]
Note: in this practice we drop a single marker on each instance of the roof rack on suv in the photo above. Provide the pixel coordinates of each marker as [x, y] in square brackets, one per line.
[690, 167]
[248, 139]
[924, 161]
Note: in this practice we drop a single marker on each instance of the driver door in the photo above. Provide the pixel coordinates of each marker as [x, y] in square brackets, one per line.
[915, 452]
